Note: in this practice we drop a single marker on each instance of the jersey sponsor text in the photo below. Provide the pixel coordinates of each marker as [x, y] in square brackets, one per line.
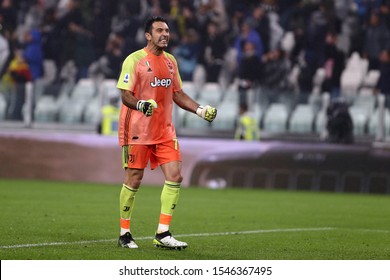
[161, 82]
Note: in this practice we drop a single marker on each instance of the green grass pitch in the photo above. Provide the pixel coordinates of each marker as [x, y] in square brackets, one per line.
[79, 221]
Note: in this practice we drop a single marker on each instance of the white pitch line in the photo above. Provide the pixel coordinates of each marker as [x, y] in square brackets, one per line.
[375, 230]
[178, 235]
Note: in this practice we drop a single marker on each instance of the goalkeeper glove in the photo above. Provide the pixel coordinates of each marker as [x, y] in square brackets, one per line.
[207, 112]
[146, 107]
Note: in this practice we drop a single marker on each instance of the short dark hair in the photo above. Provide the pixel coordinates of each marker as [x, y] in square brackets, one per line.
[149, 22]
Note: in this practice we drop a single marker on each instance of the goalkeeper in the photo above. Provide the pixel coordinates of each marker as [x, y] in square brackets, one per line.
[149, 84]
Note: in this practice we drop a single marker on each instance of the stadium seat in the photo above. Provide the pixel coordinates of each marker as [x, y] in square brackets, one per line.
[72, 108]
[108, 90]
[263, 99]
[356, 62]
[359, 118]
[93, 112]
[231, 94]
[288, 41]
[178, 116]
[275, 118]
[46, 109]
[373, 122]
[319, 77]
[353, 75]
[226, 117]
[371, 79]
[320, 122]
[361, 109]
[193, 121]
[350, 83]
[71, 111]
[190, 89]
[211, 93]
[3, 106]
[257, 112]
[50, 71]
[315, 102]
[365, 100]
[85, 89]
[302, 118]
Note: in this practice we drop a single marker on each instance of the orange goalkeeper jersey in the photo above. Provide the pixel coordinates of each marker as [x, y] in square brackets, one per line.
[149, 77]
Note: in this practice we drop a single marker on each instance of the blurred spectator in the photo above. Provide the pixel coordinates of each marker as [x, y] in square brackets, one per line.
[33, 53]
[250, 35]
[84, 52]
[276, 31]
[383, 85]
[220, 14]
[4, 53]
[103, 12]
[110, 117]
[364, 8]
[299, 43]
[307, 70]
[334, 66]
[33, 16]
[213, 49]
[187, 53]
[352, 33]
[248, 71]
[76, 33]
[237, 15]
[109, 64]
[384, 12]
[343, 8]
[14, 84]
[8, 18]
[211, 10]
[76, 39]
[247, 126]
[183, 17]
[260, 22]
[287, 10]
[50, 42]
[320, 22]
[127, 23]
[377, 38]
[274, 77]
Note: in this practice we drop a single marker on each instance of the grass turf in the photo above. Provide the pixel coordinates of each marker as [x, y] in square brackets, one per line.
[75, 221]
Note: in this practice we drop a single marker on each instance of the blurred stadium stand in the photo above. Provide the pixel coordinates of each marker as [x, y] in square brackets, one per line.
[80, 106]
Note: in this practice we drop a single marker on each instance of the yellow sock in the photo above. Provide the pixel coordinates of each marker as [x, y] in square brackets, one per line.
[126, 204]
[169, 198]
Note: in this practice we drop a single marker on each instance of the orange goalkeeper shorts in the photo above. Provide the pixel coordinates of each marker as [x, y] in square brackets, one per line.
[138, 156]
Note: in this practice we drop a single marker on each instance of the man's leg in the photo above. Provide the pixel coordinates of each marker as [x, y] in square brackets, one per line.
[134, 160]
[126, 204]
[169, 198]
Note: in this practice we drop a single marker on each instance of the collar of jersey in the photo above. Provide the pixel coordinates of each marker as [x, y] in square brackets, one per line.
[152, 54]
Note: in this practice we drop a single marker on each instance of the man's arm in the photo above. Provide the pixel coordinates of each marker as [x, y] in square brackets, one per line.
[129, 99]
[184, 101]
[187, 103]
[146, 107]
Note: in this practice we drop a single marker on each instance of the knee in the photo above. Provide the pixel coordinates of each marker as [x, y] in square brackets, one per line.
[133, 182]
[176, 178]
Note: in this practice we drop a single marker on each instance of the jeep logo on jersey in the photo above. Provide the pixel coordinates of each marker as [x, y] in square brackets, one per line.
[161, 83]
